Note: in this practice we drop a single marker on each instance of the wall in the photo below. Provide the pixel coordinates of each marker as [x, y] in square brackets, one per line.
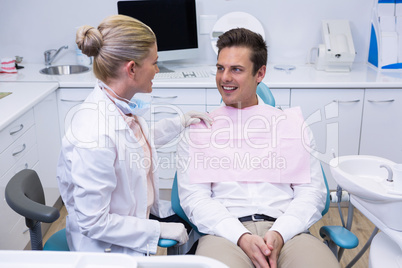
[292, 27]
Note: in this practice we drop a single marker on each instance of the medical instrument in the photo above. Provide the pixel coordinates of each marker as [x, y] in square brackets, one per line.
[338, 52]
[182, 74]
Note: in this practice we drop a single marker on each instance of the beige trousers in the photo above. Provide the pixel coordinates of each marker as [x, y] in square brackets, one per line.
[302, 251]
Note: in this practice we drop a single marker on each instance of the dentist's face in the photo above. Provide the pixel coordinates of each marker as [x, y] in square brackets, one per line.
[146, 72]
[234, 77]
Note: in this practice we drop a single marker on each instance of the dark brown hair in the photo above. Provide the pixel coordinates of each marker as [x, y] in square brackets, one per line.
[241, 37]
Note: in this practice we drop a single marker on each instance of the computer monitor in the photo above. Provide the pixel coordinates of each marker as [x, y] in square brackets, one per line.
[174, 23]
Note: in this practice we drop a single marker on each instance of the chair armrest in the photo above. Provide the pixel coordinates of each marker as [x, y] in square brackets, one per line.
[30, 209]
[341, 236]
[166, 243]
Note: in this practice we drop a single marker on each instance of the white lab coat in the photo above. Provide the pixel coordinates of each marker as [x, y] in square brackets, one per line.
[103, 184]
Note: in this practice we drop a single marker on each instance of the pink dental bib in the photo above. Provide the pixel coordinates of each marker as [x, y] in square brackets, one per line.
[254, 144]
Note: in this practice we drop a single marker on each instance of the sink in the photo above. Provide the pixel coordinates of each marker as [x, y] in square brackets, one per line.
[366, 181]
[64, 69]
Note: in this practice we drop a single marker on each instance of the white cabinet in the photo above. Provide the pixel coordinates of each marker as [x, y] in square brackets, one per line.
[19, 151]
[68, 100]
[382, 124]
[31, 141]
[49, 142]
[334, 116]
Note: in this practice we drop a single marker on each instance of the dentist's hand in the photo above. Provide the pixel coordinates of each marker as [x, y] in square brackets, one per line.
[174, 231]
[194, 117]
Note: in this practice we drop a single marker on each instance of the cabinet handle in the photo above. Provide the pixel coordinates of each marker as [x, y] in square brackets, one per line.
[16, 131]
[164, 113]
[162, 97]
[378, 101]
[71, 100]
[20, 151]
[165, 152]
[347, 101]
[162, 178]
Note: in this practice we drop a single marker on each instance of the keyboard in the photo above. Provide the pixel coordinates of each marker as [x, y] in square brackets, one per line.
[182, 74]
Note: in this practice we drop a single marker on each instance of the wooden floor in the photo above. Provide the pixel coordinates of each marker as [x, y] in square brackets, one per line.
[361, 227]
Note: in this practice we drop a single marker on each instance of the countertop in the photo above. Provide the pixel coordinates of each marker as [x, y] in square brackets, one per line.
[304, 76]
[23, 97]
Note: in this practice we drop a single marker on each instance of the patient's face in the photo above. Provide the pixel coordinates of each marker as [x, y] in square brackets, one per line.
[234, 78]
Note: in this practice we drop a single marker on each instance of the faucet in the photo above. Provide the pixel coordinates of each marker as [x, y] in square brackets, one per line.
[51, 54]
[390, 173]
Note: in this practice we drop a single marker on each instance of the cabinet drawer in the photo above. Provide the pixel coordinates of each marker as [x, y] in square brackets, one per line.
[213, 97]
[161, 111]
[166, 166]
[68, 99]
[13, 131]
[19, 235]
[178, 96]
[282, 97]
[28, 161]
[17, 150]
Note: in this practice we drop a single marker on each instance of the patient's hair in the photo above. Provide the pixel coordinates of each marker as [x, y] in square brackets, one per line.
[241, 37]
[117, 39]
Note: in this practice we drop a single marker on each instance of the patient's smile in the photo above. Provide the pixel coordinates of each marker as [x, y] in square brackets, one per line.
[229, 88]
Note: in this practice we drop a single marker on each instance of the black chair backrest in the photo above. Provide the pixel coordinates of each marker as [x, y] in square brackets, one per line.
[24, 194]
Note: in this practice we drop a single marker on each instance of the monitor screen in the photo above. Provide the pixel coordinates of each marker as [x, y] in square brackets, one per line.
[174, 23]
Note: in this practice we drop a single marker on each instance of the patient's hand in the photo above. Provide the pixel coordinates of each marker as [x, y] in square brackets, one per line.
[273, 240]
[256, 249]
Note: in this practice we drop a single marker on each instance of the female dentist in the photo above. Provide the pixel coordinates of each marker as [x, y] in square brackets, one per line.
[106, 171]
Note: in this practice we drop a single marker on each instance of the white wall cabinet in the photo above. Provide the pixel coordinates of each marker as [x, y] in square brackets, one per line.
[334, 116]
[48, 140]
[68, 99]
[382, 124]
[32, 141]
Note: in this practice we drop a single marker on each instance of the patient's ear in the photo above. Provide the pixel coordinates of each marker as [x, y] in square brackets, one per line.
[261, 73]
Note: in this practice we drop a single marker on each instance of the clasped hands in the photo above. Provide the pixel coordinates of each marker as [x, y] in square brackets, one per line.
[263, 252]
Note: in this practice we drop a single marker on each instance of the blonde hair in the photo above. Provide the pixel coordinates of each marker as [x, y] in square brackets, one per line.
[117, 39]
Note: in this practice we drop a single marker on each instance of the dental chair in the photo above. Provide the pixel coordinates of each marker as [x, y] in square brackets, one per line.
[337, 238]
[24, 194]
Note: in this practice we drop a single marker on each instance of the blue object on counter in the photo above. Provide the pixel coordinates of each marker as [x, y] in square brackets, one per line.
[373, 50]
[386, 1]
[393, 66]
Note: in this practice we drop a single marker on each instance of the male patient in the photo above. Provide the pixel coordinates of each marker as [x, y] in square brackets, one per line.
[253, 223]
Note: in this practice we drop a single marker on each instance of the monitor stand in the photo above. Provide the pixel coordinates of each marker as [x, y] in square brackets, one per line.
[163, 69]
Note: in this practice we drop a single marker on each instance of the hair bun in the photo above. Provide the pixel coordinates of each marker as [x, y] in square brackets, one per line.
[89, 40]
